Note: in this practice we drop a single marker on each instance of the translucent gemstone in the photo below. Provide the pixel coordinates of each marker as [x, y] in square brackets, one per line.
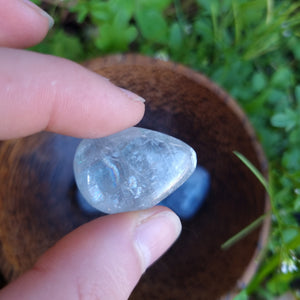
[132, 169]
[189, 197]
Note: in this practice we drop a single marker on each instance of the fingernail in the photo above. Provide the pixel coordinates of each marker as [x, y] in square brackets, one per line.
[155, 233]
[41, 12]
[132, 96]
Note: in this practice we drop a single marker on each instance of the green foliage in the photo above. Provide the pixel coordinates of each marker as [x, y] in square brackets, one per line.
[152, 24]
[60, 43]
[284, 263]
[249, 47]
[113, 21]
[242, 296]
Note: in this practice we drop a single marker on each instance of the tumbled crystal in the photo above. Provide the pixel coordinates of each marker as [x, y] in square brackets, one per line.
[132, 169]
[189, 197]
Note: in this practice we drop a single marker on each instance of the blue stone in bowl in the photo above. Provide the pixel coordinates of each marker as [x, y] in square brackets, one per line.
[189, 197]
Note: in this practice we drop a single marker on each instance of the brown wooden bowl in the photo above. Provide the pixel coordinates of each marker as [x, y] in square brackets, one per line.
[38, 203]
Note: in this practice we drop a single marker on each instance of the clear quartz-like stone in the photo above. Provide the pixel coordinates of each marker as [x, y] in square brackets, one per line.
[132, 169]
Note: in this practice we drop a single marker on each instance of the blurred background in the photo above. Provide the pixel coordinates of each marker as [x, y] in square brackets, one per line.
[251, 49]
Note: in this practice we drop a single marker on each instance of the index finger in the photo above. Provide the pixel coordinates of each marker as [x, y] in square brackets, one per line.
[22, 24]
[41, 92]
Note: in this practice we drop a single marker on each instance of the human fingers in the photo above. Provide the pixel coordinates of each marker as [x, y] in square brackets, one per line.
[103, 259]
[41, 92]
[22, 24]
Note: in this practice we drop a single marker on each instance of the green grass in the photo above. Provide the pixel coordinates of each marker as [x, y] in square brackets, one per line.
[252, 49]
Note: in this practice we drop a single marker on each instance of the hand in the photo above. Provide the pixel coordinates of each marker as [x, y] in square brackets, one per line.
[105, 258]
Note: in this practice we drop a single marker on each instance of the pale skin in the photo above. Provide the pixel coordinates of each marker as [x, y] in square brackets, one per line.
[105, 258]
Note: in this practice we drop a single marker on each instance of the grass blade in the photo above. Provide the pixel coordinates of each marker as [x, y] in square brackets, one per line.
[253, 169]
[243, 233]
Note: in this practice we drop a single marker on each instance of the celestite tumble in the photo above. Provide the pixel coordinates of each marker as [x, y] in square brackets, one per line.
[188, 198]
[132, 169]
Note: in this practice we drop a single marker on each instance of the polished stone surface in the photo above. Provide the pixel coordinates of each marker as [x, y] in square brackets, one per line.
[131, 170]
[188, 198]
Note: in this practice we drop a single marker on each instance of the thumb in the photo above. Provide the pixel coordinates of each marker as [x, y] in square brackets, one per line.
[103, 259]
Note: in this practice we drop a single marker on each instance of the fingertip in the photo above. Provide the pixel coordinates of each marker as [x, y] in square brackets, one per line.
[40, 12]
[87, 105]
[155, 232]
[22, 24]
[54, 94]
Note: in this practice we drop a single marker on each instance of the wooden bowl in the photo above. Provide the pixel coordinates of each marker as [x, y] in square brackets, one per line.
[38, 202]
